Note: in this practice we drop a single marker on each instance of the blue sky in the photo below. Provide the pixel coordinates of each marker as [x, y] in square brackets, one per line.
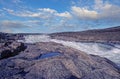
[47, 16]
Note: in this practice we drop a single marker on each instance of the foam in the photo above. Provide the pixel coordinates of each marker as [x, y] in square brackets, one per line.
[36, 38]
[111, 52]
[103, 50]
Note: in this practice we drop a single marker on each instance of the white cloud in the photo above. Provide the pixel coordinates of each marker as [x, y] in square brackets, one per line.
[100, 11]
[64, 14]
[84, 13]
[107, 11]
[78, 16]
[33, 21]
[8, 10]
[47, 10]
[110, 11]
[44, 13]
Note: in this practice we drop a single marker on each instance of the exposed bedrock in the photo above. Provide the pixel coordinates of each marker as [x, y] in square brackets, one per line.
[68, 63]
[9, 49]
[96, 35]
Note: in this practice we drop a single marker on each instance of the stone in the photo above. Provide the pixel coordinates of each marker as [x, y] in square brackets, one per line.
[70, 64]
[10, 49]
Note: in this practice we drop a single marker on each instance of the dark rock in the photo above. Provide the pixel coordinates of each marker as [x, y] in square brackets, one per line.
[6, 54]
[10, 49]
[73, 77]
[7, 43]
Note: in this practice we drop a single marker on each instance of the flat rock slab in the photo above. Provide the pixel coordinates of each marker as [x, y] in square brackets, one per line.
[69, 64]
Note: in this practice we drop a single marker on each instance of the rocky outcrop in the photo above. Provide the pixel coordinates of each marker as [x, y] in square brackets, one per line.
[69, 64]
[9, 49]
[96, 35]
[49, 60]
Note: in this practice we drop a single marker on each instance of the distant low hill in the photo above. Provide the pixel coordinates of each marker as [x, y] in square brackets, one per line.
[97, 35]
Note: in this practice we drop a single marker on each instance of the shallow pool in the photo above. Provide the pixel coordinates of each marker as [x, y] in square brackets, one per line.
[48, 55]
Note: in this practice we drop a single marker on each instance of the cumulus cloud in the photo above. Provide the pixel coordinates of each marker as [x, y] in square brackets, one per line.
[110, 11]
[107, 10]
[64, 14]
[100, 11]
[77, 17]
[47, 10]
[84, 13]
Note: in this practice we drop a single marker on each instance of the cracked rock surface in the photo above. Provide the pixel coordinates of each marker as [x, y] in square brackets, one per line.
[68, 64]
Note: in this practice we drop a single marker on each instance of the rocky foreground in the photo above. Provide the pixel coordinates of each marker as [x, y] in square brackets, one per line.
[50, 60]
[68, 64]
